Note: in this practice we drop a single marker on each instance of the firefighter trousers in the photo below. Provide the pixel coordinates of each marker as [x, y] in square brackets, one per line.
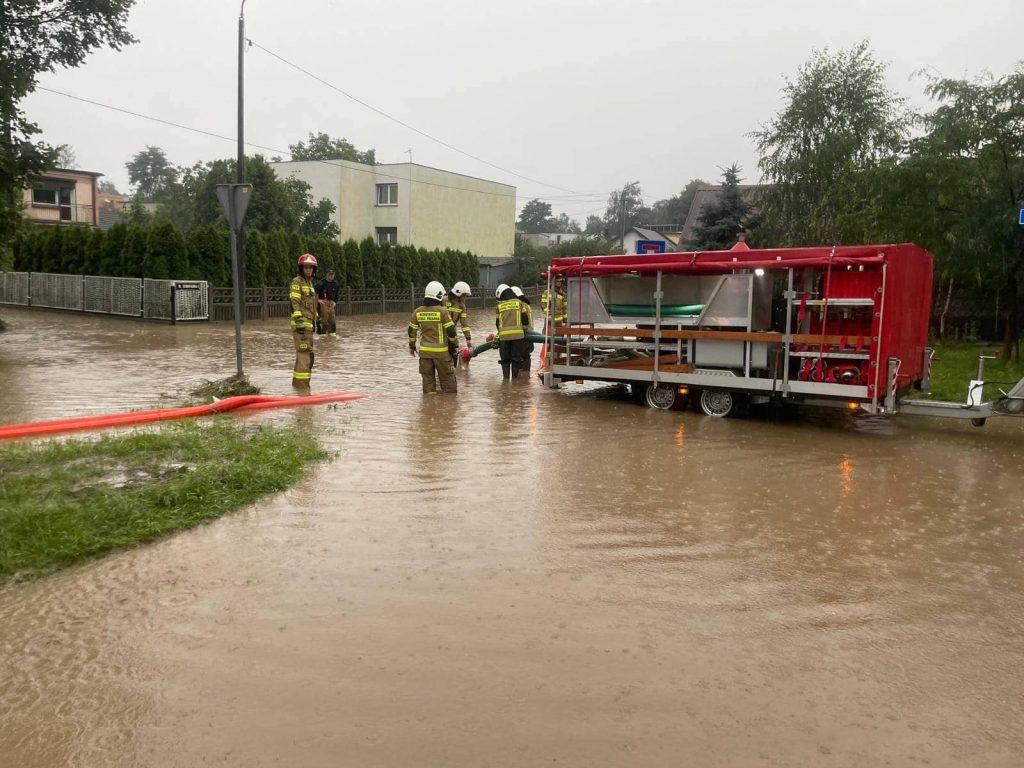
[303, 356]
[436, 370]
[328, 321]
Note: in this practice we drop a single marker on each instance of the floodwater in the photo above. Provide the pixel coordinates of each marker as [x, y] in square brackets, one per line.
[518, 576]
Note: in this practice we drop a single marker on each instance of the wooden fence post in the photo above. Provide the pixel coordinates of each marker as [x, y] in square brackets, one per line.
[265, 312]
[348, 300]
[383, 301]
[412, 295]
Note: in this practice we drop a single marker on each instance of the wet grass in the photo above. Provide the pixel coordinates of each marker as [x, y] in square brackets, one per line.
[62, 502]
[232, 386]
[956, 364]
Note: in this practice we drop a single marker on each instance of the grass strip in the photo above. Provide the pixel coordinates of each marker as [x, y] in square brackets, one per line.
[64, 501]
[956, 364]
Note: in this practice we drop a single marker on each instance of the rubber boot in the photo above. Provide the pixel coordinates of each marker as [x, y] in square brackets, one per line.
[515, 370]
[506, 370]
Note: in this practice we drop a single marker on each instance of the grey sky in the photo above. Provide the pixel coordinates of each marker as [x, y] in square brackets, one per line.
[581, 94]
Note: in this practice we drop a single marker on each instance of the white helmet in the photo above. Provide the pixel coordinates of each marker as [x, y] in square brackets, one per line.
[434, 291]
[461, 289]
[518, 291]
[500, 290]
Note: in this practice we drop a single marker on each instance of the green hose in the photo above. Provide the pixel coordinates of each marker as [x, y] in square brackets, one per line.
[533, 336]
[647, 310]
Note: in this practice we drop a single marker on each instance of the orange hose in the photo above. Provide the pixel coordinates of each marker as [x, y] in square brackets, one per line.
[242, 402]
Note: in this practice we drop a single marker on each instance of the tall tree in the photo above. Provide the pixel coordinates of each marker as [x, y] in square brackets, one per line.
[625, 207]
[839, 123]
[319, 220]
[675, 209]
[40, 36]
[323, 147]
[961, 187]
[723, 219]
[151, 173]
[535, 218]
[562, 223]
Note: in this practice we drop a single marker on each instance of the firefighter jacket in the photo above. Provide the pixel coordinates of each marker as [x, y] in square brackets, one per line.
[459, 314]
[328, 290]
[545, 299]
[304, 304]
[509, 320]
[436, 331]
[527, 315]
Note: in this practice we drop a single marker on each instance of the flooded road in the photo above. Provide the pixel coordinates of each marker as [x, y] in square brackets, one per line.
[518, 576]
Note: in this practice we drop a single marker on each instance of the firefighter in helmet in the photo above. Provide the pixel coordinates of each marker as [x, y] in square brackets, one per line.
[438, 342]
[524, 349]
[456, 306]
[302, 295]
[545, 300]
[509, 322]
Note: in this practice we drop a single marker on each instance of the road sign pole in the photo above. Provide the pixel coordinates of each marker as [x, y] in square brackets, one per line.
[235, 200]
[237, 291]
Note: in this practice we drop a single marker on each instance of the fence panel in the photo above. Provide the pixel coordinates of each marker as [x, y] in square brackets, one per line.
[56, 291]
[191, 300]
[97, 294]
[156, 299]
[125, 296]
[14, 288]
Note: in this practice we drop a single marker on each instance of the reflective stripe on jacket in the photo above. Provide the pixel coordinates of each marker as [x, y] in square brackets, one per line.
[435, 328]
[509, 320]
[302, 295]
[559, 306]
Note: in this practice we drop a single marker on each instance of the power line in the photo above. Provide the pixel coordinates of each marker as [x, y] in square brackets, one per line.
[404, 124]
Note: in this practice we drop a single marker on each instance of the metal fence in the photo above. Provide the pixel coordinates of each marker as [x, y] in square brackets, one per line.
[272, 302]
[168, 300]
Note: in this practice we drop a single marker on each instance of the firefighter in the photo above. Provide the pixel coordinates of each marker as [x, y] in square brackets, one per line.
[327, 292]
[304, 316]
[456, 306]
[509, 322]
[545, 299]
[438, 342]
[524, 348]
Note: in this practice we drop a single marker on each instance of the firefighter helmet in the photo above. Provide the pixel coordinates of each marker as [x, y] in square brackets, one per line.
[518, 291]
[434, 290]
[308, 260]
[461, 289]
[500, 290]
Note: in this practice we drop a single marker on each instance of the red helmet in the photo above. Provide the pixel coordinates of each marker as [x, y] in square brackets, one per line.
[308, 259]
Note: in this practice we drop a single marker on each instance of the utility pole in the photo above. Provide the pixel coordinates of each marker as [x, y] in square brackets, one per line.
[409, 151]
[240, 160]
[622, 219]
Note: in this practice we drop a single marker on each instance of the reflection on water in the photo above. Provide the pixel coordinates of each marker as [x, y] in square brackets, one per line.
[518, 576]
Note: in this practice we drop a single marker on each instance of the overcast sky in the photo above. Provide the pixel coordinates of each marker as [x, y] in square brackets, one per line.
[578, 95]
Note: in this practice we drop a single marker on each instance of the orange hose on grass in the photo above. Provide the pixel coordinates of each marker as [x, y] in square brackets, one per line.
[242, 402]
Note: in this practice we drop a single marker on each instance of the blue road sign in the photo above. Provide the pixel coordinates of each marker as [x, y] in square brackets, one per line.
[654, 246]
[1021, 220]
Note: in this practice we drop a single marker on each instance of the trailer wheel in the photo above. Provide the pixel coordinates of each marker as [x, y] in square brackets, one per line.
[717, 402]
[660, 396]
[978, 422]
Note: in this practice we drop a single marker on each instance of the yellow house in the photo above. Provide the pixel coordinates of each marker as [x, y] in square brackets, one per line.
[63, 196]
[405, 203]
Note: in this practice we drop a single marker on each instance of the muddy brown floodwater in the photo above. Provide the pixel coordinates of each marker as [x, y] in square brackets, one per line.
[518, 576]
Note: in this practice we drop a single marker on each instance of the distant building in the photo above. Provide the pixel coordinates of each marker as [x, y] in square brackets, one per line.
[549, 239]
[496, 270]
[405, 203]
[636, 234]
[704, 196]
[62, 196]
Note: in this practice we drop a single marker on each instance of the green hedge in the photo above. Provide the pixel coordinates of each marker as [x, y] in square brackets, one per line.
[161, 251]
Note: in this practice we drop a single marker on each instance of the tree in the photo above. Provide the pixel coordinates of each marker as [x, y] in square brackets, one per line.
[594, 226]
[323, 147]
[535, 218]
[624, 209]
[66, 157]
[107, 187]
[40, 36]
[840, 122]
[723, 219]
[562, 223]
[959, 190]
[319, 219]
[675, 209]
[151, 173]
[353, 264]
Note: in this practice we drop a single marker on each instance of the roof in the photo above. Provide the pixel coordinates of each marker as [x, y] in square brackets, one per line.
[705, 196]
[727, 261]
[650, 234]
[495, 261]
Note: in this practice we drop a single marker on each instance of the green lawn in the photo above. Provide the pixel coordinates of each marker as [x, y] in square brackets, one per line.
[64, 501]
[956, 364]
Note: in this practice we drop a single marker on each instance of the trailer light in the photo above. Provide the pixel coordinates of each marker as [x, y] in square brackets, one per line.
[759, 272]
[853, 406]
[682, 390]
[579, 381]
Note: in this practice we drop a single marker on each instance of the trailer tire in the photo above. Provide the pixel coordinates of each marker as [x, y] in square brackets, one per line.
[718, 403]
[978, 422]
[661, 396]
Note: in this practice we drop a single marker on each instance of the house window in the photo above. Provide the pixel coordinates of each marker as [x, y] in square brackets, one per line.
[54, 194]
[387, 235]
[387, 194]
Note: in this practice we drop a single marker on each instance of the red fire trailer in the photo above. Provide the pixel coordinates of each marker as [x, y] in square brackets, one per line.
[843, 326]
